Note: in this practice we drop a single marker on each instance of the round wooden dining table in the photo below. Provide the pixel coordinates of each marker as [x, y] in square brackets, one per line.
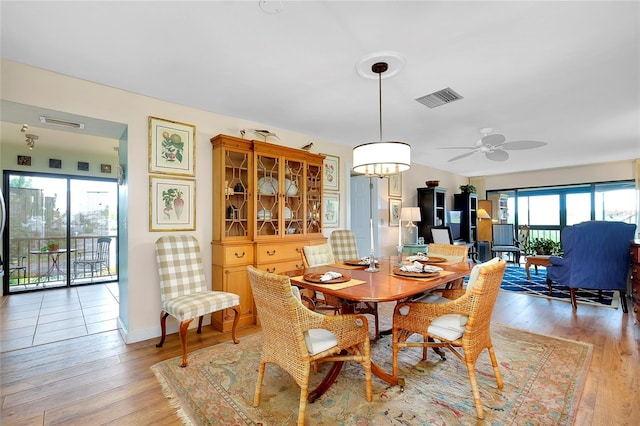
[385, 285]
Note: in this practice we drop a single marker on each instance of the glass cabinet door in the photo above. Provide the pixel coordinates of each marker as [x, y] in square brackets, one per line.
[293, 213]
[314, 198]
[236, 193]
[267, 195]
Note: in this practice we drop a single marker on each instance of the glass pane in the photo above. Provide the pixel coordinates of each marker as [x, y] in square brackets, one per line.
[267, 200]
[578, 208]
[37, 231]
[523, 210]
[314, 199]
[94, 231]
[544, 210]
[236, 194]
[293, 203]
[615, 205]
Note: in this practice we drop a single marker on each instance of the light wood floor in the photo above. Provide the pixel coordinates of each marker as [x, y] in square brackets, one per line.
[94, 378]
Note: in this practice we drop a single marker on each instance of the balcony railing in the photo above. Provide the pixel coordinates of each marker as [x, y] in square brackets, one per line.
[34, 263]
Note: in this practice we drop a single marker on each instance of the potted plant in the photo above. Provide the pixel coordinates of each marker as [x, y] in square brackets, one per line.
[542, 246]
[468, 188]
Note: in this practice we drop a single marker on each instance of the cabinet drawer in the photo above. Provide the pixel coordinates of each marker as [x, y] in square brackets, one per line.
[273, 253]
[280, 267]
[232, 255]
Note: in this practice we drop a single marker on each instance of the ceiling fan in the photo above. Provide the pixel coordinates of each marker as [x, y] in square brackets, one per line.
[494, 146]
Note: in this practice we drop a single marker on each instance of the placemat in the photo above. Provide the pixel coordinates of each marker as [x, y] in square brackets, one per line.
[338, 286]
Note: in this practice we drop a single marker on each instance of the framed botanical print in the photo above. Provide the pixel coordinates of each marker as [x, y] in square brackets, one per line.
[395, 185]
[172, 204]
[331, 173]
[172, 147]
[394, 211]
[331, 210]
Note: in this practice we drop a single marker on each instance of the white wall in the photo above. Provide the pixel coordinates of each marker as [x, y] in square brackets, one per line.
[621, 170]
[140, 294]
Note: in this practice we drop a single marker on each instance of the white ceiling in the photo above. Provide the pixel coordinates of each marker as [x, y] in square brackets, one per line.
[566, 73]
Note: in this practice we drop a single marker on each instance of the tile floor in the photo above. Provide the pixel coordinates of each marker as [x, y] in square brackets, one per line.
[32, 319]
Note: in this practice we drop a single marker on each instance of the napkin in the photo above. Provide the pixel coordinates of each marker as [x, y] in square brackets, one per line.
[366, 260]
[419, 267]
[418, 256]
[328, 276]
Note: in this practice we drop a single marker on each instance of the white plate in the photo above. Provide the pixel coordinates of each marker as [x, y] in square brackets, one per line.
[268, 185]
[291, 187]
[264, 214]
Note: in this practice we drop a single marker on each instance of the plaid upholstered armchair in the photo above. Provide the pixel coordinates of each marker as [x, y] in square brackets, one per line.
[183, 289]
[344, 245]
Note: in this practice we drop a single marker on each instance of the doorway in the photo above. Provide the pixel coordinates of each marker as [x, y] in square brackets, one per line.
[61, 231]
[364, 208]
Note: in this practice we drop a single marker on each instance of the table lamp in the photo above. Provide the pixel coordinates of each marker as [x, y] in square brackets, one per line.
[410, 230]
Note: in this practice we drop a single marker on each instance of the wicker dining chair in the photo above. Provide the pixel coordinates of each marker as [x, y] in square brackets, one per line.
[453, 253]
[296, 337]
[320, 255]
[462, 319]
[184, 293]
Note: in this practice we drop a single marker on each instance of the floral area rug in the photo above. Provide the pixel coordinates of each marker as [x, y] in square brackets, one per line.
[515, 279]
[543, 379]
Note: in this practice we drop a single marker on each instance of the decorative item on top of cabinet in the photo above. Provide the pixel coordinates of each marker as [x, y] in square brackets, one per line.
[635, 279]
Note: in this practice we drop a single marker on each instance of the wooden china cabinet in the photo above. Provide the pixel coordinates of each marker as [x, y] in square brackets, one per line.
[267, 201]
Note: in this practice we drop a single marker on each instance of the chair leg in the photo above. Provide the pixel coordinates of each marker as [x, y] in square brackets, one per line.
[184, 327]
[474, 389]
[574, 302]
[163, 326]
[302, 409]
[623, 301]
[236, 318]
[256, 395]
[200, 324]
[496, 370]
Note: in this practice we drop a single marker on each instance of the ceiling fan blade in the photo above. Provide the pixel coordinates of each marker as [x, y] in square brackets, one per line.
[457, 147]
[494, 139]
[461, 156]
[515, 145]
[497, 155]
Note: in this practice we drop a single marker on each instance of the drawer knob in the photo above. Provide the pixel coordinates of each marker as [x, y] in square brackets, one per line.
[271, 253]
[240, 256]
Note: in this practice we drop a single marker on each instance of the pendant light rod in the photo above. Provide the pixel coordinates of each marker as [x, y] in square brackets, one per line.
[379, 68]
[382, 158]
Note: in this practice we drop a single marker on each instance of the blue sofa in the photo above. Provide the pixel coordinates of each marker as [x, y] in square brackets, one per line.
[596, 256]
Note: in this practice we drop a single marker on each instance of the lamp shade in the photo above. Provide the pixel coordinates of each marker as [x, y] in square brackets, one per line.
[410, 214]
[381, 158]
[482, 214]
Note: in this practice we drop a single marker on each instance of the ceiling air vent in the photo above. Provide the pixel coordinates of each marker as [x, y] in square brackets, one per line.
[439, 98]
[59, 122]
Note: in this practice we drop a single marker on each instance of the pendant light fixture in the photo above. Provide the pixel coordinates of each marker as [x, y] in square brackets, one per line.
[382, 158]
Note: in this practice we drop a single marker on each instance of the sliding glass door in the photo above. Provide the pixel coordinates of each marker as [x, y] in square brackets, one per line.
[62, 231]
